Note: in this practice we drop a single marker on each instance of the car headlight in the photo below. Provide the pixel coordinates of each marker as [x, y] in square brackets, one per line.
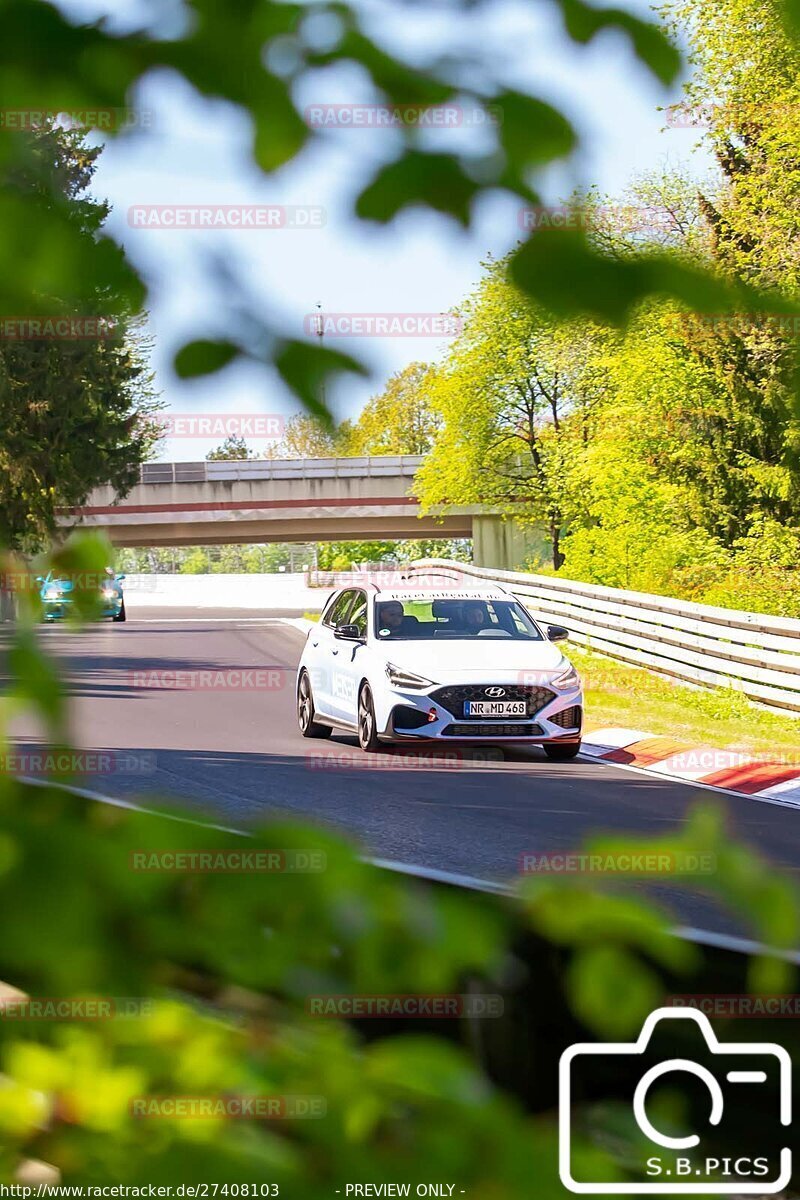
[406, 679]
[52, 593]
[109, 593]
[567, 680]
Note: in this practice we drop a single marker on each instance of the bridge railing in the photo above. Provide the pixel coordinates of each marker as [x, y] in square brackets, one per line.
[755, 653]
[280, 468]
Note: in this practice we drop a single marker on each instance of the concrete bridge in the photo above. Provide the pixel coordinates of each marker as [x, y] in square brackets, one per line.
[289, 500]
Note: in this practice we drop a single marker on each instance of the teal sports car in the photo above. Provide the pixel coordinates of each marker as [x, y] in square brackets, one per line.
[56, 596]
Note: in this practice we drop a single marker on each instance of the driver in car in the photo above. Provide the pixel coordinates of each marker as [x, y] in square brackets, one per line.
[475, 616]
[393, 618]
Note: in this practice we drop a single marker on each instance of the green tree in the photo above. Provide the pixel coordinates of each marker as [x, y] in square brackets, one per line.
[637, 517]
[266, 559]
[153, 560]
[196, 562]
[516, 394]
[413, 549]
[660, 210]
[233, 448]
[400, 419]
[341, 556]
[728, 447]
[76, 398]
[747, 91]
[306, 437]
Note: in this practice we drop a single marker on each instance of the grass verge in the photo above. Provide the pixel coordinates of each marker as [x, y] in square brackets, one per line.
[619, 694]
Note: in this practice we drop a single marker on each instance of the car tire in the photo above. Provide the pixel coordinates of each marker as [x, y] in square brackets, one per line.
[121, 614]
[368, 738]
[562, 751]
[309, 728]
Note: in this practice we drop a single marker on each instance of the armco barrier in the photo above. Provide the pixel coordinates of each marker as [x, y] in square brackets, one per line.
[757, 654]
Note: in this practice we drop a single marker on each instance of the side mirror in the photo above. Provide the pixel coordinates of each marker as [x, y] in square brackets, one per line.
[40, 578]
[349, 633]
[557, 633]
[120, 578]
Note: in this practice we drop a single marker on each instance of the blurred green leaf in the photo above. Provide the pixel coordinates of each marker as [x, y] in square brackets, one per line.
[577, 916]
[612, 991]
[203, 358]
[531, 131]
[436, 180]
[560, 269]
[36, 680]
[791, 8]
[307, 368]
[652, 46]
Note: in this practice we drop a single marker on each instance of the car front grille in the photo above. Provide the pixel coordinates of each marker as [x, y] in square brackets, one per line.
[474, 729]
[568, 718]
[454, 696]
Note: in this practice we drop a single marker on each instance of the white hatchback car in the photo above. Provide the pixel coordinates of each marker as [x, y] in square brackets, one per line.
[448, 666]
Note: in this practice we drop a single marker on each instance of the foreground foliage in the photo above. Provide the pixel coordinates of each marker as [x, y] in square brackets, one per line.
[211, 976]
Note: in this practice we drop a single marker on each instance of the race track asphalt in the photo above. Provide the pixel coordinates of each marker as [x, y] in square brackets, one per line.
[234, 754]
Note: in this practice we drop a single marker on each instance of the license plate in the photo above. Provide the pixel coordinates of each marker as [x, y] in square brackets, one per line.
[494, 708]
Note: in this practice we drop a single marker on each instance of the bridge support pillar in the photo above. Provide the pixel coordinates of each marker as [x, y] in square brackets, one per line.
[503, 543]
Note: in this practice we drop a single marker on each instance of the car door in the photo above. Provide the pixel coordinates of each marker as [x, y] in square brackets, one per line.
[348, 662]
[319, 658]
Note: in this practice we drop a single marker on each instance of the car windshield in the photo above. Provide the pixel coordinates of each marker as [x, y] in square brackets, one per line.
[455, 618]
[86, 580]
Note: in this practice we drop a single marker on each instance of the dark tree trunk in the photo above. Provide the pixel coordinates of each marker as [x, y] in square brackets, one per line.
[555, 537]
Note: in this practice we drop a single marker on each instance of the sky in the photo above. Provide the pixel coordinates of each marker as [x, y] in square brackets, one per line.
[189, 150]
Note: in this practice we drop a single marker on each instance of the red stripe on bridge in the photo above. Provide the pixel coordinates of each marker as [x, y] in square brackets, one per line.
[235, 505]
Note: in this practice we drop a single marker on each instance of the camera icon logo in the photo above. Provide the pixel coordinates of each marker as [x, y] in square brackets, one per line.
[680, 1164]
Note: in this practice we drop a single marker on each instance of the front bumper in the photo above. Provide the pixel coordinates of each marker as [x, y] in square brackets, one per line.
[59, 610]
[420, 716]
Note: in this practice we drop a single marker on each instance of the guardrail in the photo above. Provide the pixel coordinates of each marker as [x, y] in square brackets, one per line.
[755, 653]
[280, 468]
